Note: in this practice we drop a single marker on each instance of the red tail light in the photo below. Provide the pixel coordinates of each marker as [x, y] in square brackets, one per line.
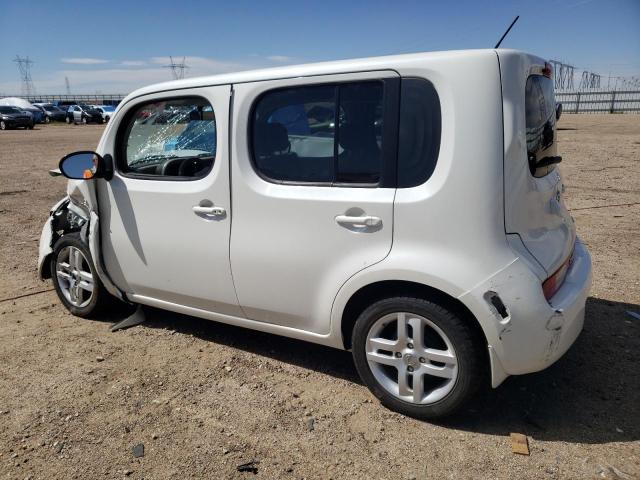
[552, 284]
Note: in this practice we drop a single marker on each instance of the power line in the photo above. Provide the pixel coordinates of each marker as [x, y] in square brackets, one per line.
[24, 67]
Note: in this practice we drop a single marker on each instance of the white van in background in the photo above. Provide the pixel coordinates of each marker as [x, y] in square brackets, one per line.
[408, 208]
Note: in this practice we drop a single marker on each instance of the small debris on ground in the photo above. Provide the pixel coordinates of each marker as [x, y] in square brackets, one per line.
[251, 466]
[635, 315]
[138, 450]
[519, 444]
[99, 358]
[310, 423]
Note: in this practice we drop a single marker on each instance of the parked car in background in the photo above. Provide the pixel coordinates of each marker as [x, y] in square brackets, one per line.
[107, 111]
[21, 103]
[52, 113]
[83, 114]
[14, 117]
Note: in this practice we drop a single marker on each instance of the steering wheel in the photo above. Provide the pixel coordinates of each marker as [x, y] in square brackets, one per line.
[170, 167]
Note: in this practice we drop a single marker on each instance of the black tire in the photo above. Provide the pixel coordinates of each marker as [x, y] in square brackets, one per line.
[3, 125]
[30, 126]
[100, 300]
[83, 120]
[471, 358]
[47, 119]
[67, 119]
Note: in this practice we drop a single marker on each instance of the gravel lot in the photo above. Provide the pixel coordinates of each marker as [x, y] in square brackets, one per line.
[204, 398]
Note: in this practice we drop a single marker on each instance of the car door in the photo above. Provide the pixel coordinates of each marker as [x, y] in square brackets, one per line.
[77, 114]
[313, 187]
[166, 213]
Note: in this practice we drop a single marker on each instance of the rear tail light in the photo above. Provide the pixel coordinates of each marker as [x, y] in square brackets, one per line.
[552, 284]
[547, 71]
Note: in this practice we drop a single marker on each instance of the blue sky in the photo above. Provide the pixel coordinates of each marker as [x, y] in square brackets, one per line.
[116, 46]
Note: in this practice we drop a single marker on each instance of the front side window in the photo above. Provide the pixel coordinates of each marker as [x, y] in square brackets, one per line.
[540, 122]
[329, 134]
[169, 138]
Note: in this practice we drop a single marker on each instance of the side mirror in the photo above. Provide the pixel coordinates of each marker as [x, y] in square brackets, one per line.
[86, 165]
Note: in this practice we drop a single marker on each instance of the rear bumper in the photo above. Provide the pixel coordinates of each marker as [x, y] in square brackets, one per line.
[534, 333]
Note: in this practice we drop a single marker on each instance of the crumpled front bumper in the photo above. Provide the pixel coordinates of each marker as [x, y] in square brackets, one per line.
[532, 333]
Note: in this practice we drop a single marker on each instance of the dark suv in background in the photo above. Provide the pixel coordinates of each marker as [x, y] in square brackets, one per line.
[52, 113]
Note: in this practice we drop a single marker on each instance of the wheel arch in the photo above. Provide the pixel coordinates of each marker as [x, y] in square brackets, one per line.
[378, 290]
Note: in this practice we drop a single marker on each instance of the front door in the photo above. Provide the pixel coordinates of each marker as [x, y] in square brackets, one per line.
[166, 215]
[313, 190]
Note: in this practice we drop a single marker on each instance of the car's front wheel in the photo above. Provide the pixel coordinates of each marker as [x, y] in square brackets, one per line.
[47, 120]
[75, 280]
[84, 120]
[3, 125]
[68, 120]
[417, 357]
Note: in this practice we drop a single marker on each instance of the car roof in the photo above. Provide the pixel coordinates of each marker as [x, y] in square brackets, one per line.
[388, 62]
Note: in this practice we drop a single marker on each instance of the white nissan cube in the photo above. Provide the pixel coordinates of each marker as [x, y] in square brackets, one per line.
[407, 208]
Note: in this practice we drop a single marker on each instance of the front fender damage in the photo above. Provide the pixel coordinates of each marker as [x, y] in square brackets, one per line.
[66, 217]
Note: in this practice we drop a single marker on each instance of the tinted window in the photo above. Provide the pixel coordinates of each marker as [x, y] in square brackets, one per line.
[419, 131]
[320, 134]
[171, 138]
[540, 122]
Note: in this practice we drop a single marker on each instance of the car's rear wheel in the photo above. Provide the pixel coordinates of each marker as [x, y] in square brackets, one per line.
[74, 278]
[417, 357]
[30, 126]
[3, 125]
[68, 120]
[47, 119]
[84, 120]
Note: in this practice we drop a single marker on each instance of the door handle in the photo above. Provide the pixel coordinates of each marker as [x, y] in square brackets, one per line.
[217, 211]
[364, 221]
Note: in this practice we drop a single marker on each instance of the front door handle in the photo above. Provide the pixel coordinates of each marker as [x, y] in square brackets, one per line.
[217, 211]
[364, 221]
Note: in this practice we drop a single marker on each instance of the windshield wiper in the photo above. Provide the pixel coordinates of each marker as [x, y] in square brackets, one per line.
[151, 158]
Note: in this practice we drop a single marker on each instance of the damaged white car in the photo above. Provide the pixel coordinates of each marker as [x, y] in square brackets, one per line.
[407, 208]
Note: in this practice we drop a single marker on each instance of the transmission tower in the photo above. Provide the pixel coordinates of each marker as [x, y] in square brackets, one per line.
[24, 67]
[589, 80]
[177, 69]
[562, 75]
[68, 85]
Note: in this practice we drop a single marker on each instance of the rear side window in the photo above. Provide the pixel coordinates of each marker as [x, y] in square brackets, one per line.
[326, 134]
[419, 132]
[540, 122]
[173, 138]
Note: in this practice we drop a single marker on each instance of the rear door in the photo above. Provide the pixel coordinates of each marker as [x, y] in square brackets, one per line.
[534, 205]
[312, 191]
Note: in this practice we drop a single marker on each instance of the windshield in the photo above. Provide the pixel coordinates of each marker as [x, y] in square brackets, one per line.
[10, 110]
[108, 108]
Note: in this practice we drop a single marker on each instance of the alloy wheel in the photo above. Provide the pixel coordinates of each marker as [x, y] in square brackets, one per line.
[411, 358]
[74, 276]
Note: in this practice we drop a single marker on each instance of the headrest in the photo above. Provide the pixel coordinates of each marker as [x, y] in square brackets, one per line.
[270, 138]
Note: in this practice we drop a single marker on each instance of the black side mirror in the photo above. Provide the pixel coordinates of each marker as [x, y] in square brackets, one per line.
[82, 166]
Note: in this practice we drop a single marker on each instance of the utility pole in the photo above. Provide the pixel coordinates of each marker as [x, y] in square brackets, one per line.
[66, 83]
[24, 67]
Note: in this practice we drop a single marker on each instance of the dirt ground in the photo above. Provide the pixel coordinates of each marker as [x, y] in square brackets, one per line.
[204, 398]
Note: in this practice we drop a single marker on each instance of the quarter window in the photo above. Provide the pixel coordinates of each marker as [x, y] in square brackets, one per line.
[170, 138]
[329, 134]
[540, 122]
[419, 132]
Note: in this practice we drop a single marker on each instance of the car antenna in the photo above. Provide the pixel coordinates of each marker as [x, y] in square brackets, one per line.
[508, 30]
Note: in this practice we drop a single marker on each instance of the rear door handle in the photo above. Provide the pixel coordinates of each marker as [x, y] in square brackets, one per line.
[364, 221]
[217, 211]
